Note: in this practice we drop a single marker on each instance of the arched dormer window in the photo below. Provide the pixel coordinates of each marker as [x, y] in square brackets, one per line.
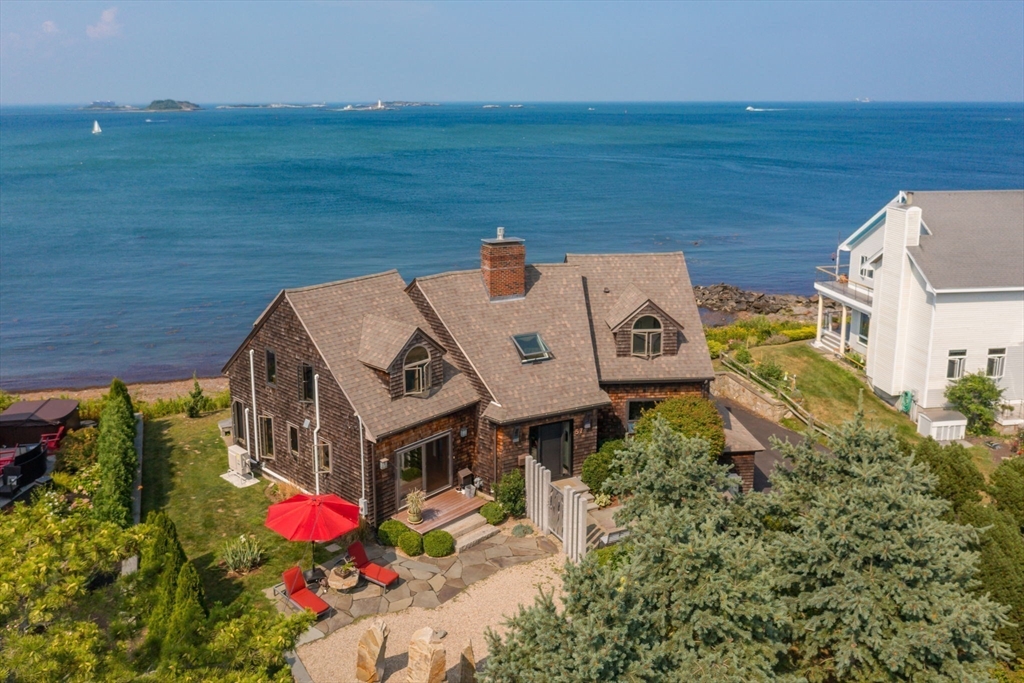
[647, 337]
[417, 371]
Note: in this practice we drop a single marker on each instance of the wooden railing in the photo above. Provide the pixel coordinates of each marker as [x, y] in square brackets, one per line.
[801, 414]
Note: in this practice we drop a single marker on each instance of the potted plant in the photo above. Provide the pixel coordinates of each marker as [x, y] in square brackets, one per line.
[347, 568]
[415, 500]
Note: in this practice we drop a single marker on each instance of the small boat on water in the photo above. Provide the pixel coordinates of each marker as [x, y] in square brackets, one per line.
[96, 130]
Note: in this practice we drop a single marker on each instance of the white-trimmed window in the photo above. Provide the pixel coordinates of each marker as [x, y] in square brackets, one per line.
[864, 327]
[324, 456]
[417, 371]
[238, 426]
[647, 337]
[866, 270]
[267, 437]
[293, 439]
[996, 362]
[955, 364]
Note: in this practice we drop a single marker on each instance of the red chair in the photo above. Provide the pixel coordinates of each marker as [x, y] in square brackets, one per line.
[300, 596]
[52, 440]
[374, 573]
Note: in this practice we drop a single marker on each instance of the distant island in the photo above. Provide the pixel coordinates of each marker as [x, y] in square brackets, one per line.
[172, 105]
[155, 105]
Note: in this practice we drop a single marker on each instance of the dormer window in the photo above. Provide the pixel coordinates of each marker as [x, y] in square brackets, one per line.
[417, 371]
[647, 337]
[531, 347]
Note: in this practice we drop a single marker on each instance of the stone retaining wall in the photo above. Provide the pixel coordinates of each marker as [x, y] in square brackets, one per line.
[732, 386]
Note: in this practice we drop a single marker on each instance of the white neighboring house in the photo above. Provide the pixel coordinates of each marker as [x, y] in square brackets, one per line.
[933, 288]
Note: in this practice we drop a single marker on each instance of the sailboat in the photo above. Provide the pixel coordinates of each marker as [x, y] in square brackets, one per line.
[96, 128]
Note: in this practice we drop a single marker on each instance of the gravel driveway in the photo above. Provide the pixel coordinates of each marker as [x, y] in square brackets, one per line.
[486, 603]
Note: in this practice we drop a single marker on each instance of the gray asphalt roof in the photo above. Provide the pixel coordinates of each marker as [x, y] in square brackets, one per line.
[976, 240]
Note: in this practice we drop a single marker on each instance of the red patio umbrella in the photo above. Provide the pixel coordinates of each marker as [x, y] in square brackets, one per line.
[313, 518]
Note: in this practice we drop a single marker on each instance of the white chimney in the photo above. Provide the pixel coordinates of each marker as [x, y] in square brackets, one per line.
[501, 233]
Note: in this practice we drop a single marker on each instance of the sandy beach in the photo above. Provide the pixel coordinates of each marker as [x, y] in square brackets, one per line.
[145, 391]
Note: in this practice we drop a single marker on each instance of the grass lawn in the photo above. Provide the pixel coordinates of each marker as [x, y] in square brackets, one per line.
[183, 461]
[830, 391]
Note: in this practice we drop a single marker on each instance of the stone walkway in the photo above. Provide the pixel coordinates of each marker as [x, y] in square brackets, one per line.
[425, 581]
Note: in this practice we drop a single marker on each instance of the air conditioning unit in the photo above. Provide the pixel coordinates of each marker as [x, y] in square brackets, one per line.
[238, 461]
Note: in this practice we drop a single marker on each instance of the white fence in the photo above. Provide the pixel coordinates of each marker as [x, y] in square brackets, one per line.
[558, 510]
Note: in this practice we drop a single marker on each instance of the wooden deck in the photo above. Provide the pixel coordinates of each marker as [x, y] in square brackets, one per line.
[442, 509]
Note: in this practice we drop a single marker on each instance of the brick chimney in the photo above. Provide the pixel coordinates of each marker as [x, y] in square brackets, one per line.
[503, 265]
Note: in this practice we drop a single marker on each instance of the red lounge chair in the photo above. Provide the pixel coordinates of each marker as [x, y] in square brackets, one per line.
[295, 589]
[382, 576]
[52, 441]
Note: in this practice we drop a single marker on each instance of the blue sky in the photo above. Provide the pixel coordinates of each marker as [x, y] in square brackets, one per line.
[133, 52]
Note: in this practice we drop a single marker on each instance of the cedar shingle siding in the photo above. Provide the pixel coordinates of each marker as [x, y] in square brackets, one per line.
[356, 333]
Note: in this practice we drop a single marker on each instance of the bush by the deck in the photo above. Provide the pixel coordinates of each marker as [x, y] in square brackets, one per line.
[438, 543]
[511, 493]
[411, 543]
[493, 513]
[390, 531]
[691, 416]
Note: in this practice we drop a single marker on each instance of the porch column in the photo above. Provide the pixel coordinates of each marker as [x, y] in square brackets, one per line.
[842, 333]
[821, 319]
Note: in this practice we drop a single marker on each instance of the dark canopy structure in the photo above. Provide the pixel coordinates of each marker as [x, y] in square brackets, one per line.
[26, 421]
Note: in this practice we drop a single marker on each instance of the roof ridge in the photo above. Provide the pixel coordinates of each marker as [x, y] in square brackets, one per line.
[341, 282]
[632, 253]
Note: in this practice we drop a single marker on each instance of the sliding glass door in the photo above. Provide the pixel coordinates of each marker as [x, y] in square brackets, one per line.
[426, 466]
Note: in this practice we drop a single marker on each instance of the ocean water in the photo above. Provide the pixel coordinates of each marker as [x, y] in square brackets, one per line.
[148, 251]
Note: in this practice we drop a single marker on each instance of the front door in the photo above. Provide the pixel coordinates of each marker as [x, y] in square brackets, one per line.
[553, 445]
[426, 466]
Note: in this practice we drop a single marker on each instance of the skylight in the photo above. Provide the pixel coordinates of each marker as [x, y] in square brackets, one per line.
[531, 347]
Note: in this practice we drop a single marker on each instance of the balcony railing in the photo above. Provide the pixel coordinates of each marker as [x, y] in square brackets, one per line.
[839, 282]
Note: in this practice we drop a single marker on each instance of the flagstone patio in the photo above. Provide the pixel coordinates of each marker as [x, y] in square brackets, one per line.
[423, 581]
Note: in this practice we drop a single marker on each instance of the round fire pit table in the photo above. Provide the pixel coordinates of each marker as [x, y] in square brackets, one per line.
[342, 582]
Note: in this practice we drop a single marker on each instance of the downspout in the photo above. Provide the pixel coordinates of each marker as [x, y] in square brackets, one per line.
[248, 443]
[255, 425]
[316, 433]
[362, 469]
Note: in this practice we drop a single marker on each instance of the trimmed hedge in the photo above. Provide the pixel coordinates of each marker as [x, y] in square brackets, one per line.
[597, 466]
[493, 513]
[438, 543]
[690, 416]
[511, 493]
[411, 543]
[390, 531]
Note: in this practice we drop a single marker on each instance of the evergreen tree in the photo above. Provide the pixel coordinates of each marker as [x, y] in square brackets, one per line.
[160, 564]
[196, 400]
[692, 599]
[879, 586]
[185, 627]
[958, 479]
[117, 457]
[1001, 568]
[1008, 488]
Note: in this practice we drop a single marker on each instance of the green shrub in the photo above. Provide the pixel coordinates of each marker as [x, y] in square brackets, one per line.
[801, 333]
[184, 630]
[438, 543]
[743, 356]
[520, 530]
[770, 371]
[715, 348]
[611, 556]
[603, 500]
[596, 468]
[77, 450]
[1008, 488]
[691, 416]
[493, 513]
[511, 493]
[976, 396]
[242, 554]
[390, 531]
[959, 480]
[7, 400]
[411, 543]
[196, 401]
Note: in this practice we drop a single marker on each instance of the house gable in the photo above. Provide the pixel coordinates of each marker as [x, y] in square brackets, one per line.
[670, 331]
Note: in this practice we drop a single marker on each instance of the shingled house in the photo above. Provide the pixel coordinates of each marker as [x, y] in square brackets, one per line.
[369, 387]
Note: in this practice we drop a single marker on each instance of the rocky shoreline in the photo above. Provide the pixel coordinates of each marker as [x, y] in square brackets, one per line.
[731, 299]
